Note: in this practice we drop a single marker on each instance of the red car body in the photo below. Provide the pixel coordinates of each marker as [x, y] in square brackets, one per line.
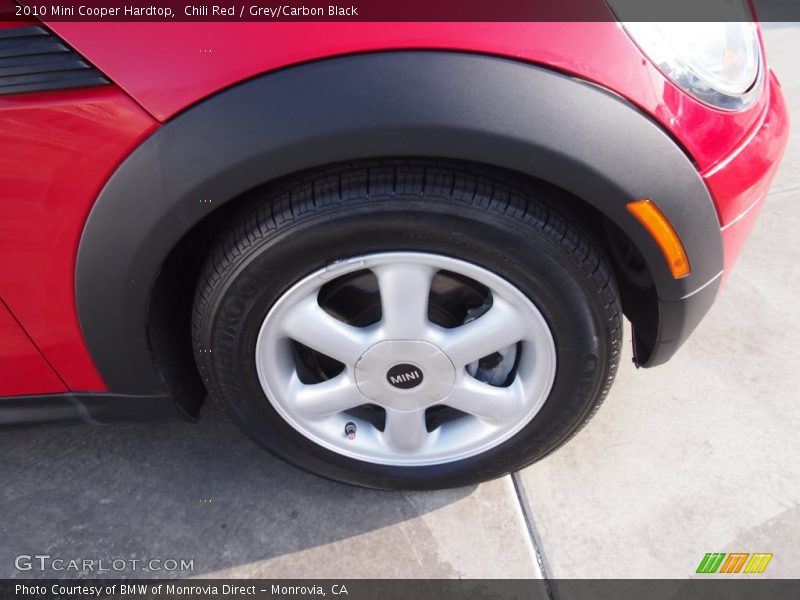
[59, 148]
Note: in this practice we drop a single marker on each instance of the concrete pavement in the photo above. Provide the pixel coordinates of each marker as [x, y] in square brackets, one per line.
[207, 493]
[701, 454]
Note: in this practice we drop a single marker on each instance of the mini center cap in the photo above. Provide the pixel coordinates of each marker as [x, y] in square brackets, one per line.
[405, 374]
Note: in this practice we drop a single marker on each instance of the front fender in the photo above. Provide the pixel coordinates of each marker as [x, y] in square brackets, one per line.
[472, 107]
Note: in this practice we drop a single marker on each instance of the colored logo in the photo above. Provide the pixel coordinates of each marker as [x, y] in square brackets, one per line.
[716, 562]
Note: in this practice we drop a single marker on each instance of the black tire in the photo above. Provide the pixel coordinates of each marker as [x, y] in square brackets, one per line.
[479, 215]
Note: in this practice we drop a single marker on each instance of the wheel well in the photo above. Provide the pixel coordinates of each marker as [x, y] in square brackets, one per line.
[172, 295]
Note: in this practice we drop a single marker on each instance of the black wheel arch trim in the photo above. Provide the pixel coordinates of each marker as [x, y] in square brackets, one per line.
[470, 107]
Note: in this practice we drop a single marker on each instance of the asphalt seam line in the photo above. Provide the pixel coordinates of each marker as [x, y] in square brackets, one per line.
[533, 534]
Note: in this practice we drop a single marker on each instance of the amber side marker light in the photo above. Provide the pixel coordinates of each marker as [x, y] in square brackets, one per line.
[662, 232]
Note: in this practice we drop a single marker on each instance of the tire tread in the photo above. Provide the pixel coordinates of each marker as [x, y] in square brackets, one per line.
[407, 179]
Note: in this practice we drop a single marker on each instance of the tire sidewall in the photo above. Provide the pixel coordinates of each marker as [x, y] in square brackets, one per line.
[524, 255]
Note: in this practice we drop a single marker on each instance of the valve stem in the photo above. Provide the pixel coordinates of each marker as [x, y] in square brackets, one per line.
[350, 430]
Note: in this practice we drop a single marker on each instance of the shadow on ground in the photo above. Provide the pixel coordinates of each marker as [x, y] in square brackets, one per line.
[202, 492]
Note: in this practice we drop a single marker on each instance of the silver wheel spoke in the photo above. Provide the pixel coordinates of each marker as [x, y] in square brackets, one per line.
[404, 363]
[405, 431]
[310, 325]
[499, 327]
[326, 398]
[404, 289]
[490, 403]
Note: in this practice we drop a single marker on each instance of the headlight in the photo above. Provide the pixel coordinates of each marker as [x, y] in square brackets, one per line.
[718, 63]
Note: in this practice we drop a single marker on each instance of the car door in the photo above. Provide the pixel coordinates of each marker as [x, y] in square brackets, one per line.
[23, 370]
